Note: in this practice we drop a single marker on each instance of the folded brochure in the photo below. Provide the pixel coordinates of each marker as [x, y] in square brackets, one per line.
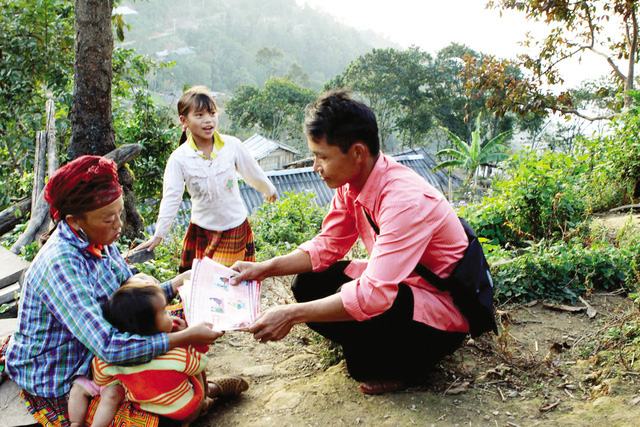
[209, 297]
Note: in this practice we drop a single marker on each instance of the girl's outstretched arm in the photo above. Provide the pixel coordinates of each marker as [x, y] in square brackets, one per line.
[150, 244]
[253, 174]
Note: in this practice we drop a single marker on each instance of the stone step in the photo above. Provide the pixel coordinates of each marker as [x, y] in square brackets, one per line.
[12, 406]
[8, 293]
[11, 267]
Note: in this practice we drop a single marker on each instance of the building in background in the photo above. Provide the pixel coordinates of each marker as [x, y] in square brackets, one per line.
[270, 155]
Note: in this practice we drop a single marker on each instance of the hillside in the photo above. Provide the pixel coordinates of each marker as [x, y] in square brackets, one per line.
[215, 42]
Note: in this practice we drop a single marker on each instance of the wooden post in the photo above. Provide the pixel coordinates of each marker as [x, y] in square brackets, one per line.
[39, 167]
[13, 215]
[52, 139]
[38, 217]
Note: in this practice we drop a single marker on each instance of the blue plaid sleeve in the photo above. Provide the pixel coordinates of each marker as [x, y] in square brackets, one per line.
[71, 293]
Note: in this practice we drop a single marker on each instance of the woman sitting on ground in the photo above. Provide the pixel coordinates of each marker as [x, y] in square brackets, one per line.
[60, 322]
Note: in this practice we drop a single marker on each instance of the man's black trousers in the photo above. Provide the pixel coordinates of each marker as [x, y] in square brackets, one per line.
[390, 346]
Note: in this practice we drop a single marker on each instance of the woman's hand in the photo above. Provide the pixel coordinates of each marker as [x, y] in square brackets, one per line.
[149, 245]
[272, 198]
[178, 281]
[200, 334]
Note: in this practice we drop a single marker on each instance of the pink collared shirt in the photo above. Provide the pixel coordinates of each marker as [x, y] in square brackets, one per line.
[416, 224]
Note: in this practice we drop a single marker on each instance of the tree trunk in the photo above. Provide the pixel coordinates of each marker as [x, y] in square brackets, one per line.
[39, 216]
[91, 116]
[14, 215]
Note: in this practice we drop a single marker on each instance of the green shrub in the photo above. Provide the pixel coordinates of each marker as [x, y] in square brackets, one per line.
[281, 226]
[565, 271]
[14, 185]
[167, 256]
[152, 127]
[540, 199]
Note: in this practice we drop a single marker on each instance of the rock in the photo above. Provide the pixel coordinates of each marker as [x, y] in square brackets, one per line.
[283, 399]
[7, 327]
[602, 400]
[258, 371]
[613, 385]
[295, 364]
[13, 409]
[11, 267]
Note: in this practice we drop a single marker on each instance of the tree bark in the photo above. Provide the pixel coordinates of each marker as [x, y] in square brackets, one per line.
[39, 216]
[133, 224]
[91, 116]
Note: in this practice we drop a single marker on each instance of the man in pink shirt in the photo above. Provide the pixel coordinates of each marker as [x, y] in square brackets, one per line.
[392, 324]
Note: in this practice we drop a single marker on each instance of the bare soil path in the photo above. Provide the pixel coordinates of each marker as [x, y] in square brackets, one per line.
[535, 373]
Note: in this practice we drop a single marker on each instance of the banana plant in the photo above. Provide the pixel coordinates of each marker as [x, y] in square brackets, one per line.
[470, 156]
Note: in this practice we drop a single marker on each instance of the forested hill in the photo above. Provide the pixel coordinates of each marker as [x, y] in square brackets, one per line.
[217, 42]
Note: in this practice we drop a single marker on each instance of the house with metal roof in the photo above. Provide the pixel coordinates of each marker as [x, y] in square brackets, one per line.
[269, 154]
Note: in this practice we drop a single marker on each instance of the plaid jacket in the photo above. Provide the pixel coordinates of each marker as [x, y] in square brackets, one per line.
[60, 323]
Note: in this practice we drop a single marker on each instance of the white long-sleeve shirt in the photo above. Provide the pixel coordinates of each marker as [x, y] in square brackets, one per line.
[212, 185]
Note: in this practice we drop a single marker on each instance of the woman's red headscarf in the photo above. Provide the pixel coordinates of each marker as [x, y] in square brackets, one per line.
[83, 185]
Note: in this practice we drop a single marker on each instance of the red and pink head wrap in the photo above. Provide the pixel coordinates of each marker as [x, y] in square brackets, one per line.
[83, 185]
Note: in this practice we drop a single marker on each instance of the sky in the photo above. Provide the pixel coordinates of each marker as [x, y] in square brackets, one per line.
[434, 24]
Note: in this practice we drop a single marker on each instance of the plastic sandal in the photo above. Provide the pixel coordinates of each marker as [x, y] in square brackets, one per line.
[230, 386]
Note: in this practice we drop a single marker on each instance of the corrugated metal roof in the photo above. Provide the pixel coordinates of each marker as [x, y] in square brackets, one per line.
[306, 180]
[260, 147]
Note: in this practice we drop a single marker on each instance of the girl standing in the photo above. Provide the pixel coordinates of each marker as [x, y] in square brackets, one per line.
[207, 163]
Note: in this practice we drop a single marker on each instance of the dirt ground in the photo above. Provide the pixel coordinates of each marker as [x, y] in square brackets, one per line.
[545, 368]
[534, 374]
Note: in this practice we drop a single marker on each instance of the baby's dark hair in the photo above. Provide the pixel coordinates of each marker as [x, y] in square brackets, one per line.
[130, 308]
[198, 98]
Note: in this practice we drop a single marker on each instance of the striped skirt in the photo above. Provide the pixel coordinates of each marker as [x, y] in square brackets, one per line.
[52, 412]
[225, 247]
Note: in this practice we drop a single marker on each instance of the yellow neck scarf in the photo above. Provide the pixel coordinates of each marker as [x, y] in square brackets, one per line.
[218, 143]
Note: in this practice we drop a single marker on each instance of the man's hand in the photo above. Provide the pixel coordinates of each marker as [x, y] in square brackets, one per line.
[274, 324]
[249, 271]
[295, 262]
